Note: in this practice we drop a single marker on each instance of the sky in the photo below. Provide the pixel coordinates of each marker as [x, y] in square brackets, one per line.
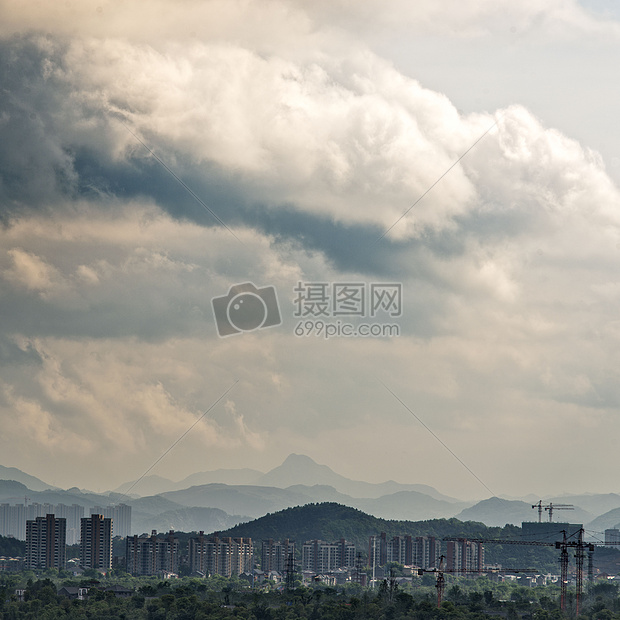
[460, 154]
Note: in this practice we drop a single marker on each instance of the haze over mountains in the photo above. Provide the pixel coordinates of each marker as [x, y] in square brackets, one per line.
[220, 499]
[295, 470]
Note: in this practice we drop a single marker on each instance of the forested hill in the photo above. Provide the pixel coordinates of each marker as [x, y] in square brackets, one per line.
[330, 521]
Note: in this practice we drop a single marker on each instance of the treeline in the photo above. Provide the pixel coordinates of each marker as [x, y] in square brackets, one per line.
[331, 521]
[199, 599]
[11, 547]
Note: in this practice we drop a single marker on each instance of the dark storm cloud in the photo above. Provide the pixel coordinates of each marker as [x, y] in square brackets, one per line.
[14, 355]
[42, 167]
[36, 166]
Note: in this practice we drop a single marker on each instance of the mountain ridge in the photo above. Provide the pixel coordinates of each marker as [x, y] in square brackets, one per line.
[32, 482]
[296, 469]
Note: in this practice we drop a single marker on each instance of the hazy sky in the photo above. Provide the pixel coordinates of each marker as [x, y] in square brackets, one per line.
[308, 129]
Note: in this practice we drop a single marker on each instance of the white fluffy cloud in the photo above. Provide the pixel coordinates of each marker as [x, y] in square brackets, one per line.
[351, 140]
[108, 340]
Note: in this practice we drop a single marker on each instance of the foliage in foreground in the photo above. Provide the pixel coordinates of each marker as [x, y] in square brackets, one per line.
[215, 599]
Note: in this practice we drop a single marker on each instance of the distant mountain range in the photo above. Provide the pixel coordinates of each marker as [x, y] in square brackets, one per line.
[608, 520]
[499, 512]
[32, 483]
[219, 499]
[295, 470]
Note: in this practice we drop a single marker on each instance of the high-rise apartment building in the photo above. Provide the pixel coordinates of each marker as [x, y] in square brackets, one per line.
[377, 550]
[464, 556]
[612, 536]
[13, 518]
[73, 514]
[320, 557]
[399, 550]
[426, 551]
[211, 555]
[96, 542]
[120, 515]
[275, 554]
[46, 542]
[151, 555]
[421, 551]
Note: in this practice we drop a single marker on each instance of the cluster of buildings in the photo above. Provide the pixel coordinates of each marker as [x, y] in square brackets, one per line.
[212, 555]
[207, 555]
[328, 562]
[276, 555]
[421, 551]
[321, 557]
[424, 552]
[13, 518]
[159, 554]
[46, 542]
[152, 555]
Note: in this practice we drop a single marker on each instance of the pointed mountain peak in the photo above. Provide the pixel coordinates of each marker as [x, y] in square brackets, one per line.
[299, 469]
[298, 459]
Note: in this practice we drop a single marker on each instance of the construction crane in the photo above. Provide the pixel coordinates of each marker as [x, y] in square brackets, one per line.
[580, 547]
[290, 572]
[562, 545]
[440, 582]
[550, 507]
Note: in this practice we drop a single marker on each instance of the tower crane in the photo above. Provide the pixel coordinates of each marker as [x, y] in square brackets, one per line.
[550, 507]
[440, 582]
[562, 545]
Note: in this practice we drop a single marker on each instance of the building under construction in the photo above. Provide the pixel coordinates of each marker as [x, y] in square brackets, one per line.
[547, 532]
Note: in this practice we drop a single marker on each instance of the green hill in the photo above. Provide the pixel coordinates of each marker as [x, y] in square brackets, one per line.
[330, 521]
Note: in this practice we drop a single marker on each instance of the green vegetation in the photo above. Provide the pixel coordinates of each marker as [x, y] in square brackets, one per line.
[219, 598]
[11, 547]
[330, 521]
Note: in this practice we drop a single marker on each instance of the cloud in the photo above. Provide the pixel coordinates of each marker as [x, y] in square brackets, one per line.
[295, 26]
[470, 19]
[29, 271]
[348, 142]
[308, 152]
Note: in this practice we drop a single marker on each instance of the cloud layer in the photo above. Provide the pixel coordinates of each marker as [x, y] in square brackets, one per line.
[309, 147]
